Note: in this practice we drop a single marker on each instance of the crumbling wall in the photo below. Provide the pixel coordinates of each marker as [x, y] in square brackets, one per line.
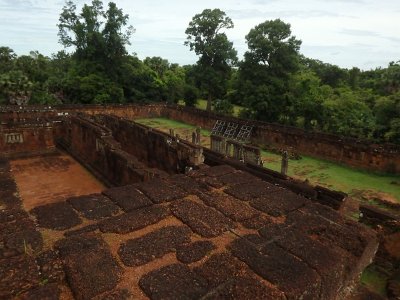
[94, 146]
[352, 152]
[153, 147]
[26, 139]
[348, 151]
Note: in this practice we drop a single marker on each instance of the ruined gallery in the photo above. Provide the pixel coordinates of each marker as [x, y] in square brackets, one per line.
[96, 206]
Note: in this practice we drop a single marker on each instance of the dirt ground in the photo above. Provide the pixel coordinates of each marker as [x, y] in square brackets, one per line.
[49, 179]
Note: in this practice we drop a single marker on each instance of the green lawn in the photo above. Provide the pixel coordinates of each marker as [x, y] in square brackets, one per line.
[335, 176]
[316, 171]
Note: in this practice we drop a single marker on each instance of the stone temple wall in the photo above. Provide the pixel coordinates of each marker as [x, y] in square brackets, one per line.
[351, 152]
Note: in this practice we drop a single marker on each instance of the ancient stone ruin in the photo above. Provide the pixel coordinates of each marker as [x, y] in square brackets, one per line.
[163, 218]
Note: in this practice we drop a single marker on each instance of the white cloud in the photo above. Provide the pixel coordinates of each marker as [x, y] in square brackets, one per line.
[331, 31]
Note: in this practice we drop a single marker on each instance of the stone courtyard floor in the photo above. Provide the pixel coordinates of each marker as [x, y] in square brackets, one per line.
[216, 233]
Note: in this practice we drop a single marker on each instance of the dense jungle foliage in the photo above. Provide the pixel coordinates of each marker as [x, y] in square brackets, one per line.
[273, 82]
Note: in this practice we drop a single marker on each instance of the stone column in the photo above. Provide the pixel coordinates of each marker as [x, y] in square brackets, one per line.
[285, 163]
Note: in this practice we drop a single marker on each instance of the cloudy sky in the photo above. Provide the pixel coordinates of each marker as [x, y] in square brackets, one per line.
[361, 33]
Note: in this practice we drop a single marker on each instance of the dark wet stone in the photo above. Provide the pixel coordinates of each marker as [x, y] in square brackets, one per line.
[229, 206]
[173, 282]
[25, 241]
[330, 263]
[201, 219]
[94, 207]
[256, 222]
[250, 191]
[50, 266]
[243, 288]
[187, 184]
[12, 215]
[89, 265]
[128, 197]
[288, 273]
[153, 245]
[11, 228]
[56, 216]
[134, 220]
[119, 294]
[331, 233]
[237, 178]
[42, 292]
[17, 275]
[217, 171]
[10, 200]
[160, 191]
[229, 278]
[194, 252]
[8, 185]
[279, 203]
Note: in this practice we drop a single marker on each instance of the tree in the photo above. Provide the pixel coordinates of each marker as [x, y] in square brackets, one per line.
[98, 36]
[7, 57]
[217, 55]
[264, 75]
[16, 86]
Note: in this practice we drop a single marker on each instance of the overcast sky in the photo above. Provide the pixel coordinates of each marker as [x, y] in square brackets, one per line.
[361, 33]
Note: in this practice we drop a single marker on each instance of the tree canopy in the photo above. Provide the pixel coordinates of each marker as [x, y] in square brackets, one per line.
[206, 38]
[273, 82]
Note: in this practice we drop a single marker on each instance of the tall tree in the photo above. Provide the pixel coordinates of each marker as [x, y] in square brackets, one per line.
[206, 38]
[264, 75]
[99, 36]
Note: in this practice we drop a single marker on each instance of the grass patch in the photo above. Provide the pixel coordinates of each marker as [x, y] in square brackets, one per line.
[335, 176]
[316, 171]
[374, 280]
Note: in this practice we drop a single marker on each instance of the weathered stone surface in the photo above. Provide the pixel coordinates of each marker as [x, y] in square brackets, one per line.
[11, 215]
[217, 171]
[94, 206]
[160, 191]
[201, 219]
[42, 292]
[173, 282]
[7, 229]
[50, 266]
[128, 197]
[25, 241]
[279, 203]
[89, 265]
[331, 263]
[329, 232]
[256, 222]
[56, 216]
[134, 220]
[229, 206]
[237, 178]
[119, 294]
[212, 182]
[243, 288]
[187, 184]
[9, 199]
[229, 278]
[194, 252]
[252, 190]
[154, 245]
[8, 185]
[17, 275]
[279, 267]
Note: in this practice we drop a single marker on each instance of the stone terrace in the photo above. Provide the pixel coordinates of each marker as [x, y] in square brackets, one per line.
[216, 233]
